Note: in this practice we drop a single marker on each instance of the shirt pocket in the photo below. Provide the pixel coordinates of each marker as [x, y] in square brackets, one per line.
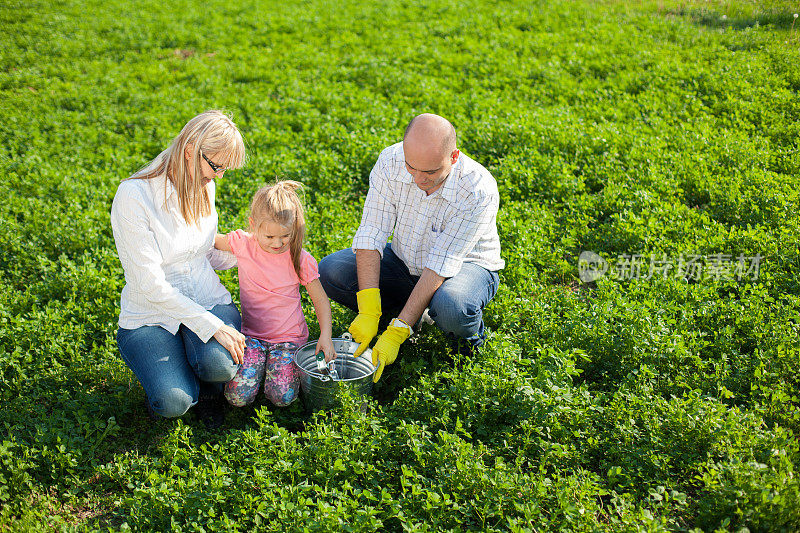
[436, 221]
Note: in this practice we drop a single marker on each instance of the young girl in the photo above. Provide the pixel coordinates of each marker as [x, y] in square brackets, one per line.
[272, 266]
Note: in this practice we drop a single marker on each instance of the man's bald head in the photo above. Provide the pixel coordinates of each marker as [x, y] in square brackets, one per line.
[432, 131]
[429, 147]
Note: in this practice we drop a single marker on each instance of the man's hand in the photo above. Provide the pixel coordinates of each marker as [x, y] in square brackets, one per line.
[385, 350]
[365, 326]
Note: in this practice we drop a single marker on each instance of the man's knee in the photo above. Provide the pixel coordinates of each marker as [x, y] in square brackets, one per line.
[338, 269]
[172, 402]
[339, 277]
[327, 273]
[453, 313]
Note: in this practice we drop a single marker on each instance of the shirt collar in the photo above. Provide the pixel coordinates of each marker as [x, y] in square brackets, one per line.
[449, 188]
[400, 159]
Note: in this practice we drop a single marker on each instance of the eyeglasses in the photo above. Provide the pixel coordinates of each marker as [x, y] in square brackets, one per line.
[215, 167]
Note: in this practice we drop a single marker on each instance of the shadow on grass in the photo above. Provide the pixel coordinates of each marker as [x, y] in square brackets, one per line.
[776, 18]
[418, 357]
[77, 422]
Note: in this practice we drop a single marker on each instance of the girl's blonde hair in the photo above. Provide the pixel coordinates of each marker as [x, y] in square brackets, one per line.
[279, 203]
[212, 132]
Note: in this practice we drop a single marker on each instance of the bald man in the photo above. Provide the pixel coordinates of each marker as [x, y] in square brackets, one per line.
[441, 208]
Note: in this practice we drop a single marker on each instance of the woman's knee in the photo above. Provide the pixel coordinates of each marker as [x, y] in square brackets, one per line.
[229, 314]
[172, 402]
[216, 364]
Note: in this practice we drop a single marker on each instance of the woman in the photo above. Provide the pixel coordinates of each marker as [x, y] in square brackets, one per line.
[178, 327]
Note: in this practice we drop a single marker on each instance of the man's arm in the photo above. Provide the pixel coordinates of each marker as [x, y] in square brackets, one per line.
[428, 283]
[368, 266]
[365, 326]
[380, 212]
[377, 221]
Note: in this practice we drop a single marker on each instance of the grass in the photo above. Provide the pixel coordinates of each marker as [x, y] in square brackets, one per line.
[659, 128]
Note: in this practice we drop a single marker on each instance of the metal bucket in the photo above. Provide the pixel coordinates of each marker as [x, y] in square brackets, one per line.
[354, 373]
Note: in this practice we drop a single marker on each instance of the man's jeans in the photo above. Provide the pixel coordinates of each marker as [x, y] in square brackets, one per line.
[456, 307]
[175, 369]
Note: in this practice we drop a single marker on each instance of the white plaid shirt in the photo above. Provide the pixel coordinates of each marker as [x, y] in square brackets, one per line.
[169, 264]
[454, 225]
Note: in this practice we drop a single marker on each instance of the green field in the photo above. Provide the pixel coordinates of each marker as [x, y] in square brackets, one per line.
[652, 133]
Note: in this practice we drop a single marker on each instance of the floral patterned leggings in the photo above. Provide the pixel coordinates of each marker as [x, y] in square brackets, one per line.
[273, 362]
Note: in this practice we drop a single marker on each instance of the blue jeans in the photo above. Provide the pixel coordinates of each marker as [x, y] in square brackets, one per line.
[456, 307]
[175, 369]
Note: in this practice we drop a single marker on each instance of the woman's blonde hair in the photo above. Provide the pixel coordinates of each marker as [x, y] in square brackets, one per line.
[212, 132]
[279, 203]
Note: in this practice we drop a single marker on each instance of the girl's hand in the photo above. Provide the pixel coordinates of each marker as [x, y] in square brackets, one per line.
[322, 306]
[325, 345]
[233, 341]
[222, 242]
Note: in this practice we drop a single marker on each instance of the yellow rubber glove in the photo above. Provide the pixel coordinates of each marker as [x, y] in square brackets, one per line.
[385, 350]
[365, 326]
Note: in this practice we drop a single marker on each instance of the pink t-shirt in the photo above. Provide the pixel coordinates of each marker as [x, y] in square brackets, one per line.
[269, 290]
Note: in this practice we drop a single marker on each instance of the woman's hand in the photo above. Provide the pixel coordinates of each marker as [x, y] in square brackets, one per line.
[231, 340]
[325, 345]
